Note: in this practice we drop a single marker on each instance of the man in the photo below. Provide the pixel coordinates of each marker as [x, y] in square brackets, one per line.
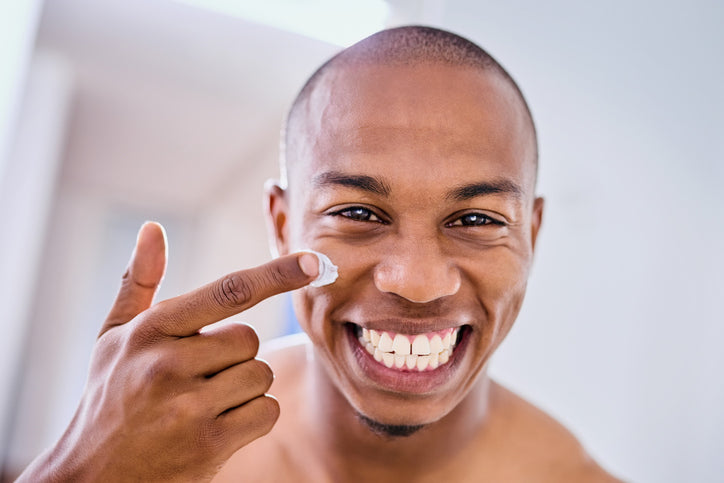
[410, 160]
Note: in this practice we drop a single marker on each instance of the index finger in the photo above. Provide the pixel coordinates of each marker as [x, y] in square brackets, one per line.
[238, 291]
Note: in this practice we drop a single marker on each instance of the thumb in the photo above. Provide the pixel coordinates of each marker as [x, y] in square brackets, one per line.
[142, 278]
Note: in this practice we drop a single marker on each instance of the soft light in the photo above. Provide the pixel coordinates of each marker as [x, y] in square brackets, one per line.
[340, 22]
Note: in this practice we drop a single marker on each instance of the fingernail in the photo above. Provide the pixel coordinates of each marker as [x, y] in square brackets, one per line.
[309, 264]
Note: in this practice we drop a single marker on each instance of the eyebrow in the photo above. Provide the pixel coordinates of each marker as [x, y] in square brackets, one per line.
[361, 182]
[379, 186]
[473, 190]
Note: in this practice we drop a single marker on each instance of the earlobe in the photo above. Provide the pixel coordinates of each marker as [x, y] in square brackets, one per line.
[277, 216]
[538, 205]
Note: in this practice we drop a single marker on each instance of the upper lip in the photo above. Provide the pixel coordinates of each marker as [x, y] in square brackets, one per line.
[408, 326]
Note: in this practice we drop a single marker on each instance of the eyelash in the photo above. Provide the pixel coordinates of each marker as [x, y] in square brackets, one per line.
[484, 220]
[365, 215]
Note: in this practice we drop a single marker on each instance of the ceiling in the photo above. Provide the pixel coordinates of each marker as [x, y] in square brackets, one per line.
[170, 100]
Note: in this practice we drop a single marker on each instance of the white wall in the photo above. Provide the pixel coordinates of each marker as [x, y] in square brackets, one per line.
[619, 336]
[90, 244]
[26, 194]
[18, 22]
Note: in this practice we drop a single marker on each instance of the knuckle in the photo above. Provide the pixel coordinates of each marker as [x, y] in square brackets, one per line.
[240, 332]
[233, 291]
[252, 420]
[257, 377]
[264, 373]
[129, 280]
[268, 412]
[126, 279]
[242, 337]
[211, 434]
[159, 369]
[141, 336]
[248, 341]
[146, 329]
[278, 276]
[181, 410]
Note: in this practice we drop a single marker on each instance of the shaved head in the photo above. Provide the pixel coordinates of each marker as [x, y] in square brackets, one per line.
[411, 164]
[403, 46]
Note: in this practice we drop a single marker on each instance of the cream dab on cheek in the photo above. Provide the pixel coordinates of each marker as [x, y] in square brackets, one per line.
[327, 270]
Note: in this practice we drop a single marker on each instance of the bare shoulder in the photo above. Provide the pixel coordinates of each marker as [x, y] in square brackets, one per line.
[286, 353]
[287, 357]
[552, 452]
[520, 443]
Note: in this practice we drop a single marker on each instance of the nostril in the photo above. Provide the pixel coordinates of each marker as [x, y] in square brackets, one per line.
[422, 300]
[418, 284]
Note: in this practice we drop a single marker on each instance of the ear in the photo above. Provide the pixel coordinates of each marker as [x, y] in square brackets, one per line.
[277, 216]
[536, 221]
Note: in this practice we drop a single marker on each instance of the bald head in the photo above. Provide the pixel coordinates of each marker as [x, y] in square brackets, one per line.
[404, 46]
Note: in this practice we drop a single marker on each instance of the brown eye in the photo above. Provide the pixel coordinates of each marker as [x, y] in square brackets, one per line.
[358, 213]
[475, 219]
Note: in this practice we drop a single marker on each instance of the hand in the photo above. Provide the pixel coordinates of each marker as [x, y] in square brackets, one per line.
[164, 399]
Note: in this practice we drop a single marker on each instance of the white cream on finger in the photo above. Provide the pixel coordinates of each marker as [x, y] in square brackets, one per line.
[328, 271]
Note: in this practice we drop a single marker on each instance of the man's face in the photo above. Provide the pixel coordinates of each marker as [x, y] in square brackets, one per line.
[418, 183]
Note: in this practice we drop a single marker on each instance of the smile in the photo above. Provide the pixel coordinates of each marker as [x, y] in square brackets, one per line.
[405, 352]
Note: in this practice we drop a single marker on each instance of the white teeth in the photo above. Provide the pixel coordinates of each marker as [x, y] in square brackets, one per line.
[434, 360]
[401, 345]
[421, 345]
[385, 344]
[395, 350]
[436, 344]
[375, 338]
[445, 340]
[370, 348]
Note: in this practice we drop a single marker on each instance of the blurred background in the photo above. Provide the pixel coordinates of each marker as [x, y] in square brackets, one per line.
[114, 112]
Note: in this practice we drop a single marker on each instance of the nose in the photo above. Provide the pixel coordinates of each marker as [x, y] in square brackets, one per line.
[417, 270]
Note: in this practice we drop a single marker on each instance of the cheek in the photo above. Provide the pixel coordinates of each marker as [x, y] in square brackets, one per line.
[311, 306]
[354, 264]
[316, 307]
[500, 280]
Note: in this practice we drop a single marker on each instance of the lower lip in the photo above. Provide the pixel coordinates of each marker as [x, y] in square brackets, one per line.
[411, 382]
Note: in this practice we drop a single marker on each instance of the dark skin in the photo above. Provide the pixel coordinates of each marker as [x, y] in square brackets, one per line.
[165, 400]
[418, 182]
[423, 182]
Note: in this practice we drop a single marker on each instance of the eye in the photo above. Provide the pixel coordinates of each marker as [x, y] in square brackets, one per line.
[475, 219]
[358, 213]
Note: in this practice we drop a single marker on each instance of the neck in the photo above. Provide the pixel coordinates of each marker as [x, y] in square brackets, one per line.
[351, 449]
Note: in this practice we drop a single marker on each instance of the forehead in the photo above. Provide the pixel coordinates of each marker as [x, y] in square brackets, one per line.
[442, 120]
